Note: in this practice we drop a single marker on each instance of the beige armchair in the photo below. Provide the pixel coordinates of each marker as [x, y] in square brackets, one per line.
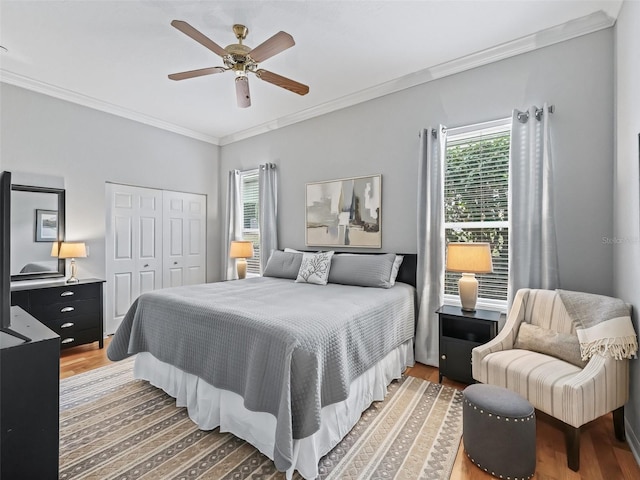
[571, 393]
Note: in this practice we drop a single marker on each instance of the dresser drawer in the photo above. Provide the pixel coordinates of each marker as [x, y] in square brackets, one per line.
[71, 325]
[71, 339]
[68, 309]
[65, 293]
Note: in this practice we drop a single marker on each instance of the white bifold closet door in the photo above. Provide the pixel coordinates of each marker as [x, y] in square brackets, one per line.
[183, 239]
[154, 239]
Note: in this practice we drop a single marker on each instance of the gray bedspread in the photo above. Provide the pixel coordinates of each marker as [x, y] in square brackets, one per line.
[287, 348]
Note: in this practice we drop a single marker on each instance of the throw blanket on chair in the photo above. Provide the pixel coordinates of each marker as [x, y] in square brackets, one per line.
[603, 324]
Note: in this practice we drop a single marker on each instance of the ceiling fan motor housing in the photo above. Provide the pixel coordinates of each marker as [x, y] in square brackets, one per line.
[238, 57]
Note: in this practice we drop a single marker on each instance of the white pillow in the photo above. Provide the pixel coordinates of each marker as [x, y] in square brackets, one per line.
[292, 250]
[395, 269]
[315, 268]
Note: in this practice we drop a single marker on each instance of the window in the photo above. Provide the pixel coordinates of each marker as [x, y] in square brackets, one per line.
[250, 211]
[476, 201]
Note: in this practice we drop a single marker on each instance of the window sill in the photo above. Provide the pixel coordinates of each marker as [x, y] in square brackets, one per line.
[482, 303]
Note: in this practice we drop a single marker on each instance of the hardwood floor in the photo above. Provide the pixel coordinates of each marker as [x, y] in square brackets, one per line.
[602, 457]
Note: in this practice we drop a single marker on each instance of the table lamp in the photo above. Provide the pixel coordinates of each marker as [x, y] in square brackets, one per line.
[241, 250]
[72, 250]
[469, 259]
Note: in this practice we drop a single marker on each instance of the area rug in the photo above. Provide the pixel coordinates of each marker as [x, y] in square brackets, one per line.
[115, 427]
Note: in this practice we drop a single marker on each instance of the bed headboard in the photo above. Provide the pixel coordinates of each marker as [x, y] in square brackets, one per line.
[408, 269]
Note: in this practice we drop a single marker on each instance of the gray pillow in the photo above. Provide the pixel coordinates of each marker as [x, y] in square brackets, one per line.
[362, 270]
[283, 265]
[564, 346]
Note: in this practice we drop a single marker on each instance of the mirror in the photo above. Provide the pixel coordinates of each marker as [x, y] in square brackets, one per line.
[37, 223]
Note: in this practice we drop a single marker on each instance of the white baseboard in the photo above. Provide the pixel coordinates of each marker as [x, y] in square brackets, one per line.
[632, 440]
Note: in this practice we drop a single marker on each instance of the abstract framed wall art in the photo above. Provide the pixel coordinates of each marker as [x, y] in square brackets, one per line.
[344, 212]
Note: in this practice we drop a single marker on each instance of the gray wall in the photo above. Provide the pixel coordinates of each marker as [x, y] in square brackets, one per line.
[43, 135]
[381, 136]
[626, 249]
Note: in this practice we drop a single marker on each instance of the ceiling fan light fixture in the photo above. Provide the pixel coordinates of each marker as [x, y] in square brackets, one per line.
[242, 91]
[242, 59]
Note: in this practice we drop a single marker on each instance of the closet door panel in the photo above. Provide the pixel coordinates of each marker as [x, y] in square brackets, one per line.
[184, 238]
[134, 246]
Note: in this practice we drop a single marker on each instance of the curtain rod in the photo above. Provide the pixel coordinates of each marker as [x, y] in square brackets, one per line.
[523, 117]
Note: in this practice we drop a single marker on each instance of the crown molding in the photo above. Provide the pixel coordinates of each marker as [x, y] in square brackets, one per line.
[544, 38]
[86, 101]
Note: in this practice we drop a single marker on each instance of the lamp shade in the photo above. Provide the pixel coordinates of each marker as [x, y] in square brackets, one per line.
[72, 250]
[469, 257]
[55, 248]
[241, 249]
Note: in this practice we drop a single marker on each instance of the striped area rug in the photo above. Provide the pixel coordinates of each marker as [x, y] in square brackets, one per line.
[115, 427]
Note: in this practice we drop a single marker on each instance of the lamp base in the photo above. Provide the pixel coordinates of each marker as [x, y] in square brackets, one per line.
[468, 289]
[241, 266]
[74, 271]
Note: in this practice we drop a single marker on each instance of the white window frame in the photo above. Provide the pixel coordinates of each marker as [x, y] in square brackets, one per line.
[460, 133]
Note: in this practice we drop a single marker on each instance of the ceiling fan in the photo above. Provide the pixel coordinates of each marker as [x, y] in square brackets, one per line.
[242, 59]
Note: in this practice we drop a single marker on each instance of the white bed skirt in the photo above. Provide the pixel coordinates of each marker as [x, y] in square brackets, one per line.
[210, 407]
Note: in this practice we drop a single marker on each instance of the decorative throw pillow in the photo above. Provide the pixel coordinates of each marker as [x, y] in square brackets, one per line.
[395, 269]
[315, 268]
[564, 346]
[362, 270]
[283, 265]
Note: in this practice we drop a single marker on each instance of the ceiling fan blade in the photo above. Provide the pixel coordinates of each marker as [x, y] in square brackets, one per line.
[199, 37]
[283, 82]
[196, 73]
[242, 92]
[270, 47]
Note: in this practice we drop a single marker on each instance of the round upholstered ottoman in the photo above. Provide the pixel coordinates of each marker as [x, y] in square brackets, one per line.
[499, 431]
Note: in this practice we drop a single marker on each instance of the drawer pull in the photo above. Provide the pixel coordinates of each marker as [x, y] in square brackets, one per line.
[67, 293]
[68, 340]
[67, 309]
[67, 325]
[443, 357]
[146, 265]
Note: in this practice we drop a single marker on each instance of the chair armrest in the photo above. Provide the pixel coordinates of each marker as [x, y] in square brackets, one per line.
[601, 374]
[506, 337]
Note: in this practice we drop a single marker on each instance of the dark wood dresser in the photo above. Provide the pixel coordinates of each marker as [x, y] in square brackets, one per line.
[72, 310]
[29, 400]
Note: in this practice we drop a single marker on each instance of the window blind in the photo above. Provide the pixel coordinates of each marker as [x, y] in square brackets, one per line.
[250, 212]
[477, 202]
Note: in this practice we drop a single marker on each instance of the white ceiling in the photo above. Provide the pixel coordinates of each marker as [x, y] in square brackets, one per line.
[116, 55]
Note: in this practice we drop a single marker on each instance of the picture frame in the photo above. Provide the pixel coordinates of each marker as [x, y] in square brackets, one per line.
[346, 212]
[46, 225]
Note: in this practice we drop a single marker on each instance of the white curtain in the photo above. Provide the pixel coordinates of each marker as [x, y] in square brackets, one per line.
[233, 222]
[430, 272]
[268, 219]
[533, 254]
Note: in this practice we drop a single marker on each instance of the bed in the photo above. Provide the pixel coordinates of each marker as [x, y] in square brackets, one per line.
[287, 366]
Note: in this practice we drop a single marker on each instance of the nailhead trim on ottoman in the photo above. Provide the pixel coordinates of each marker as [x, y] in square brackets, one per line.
[499, 431]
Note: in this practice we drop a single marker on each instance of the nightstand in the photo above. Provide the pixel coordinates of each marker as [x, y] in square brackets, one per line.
[460, 332]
